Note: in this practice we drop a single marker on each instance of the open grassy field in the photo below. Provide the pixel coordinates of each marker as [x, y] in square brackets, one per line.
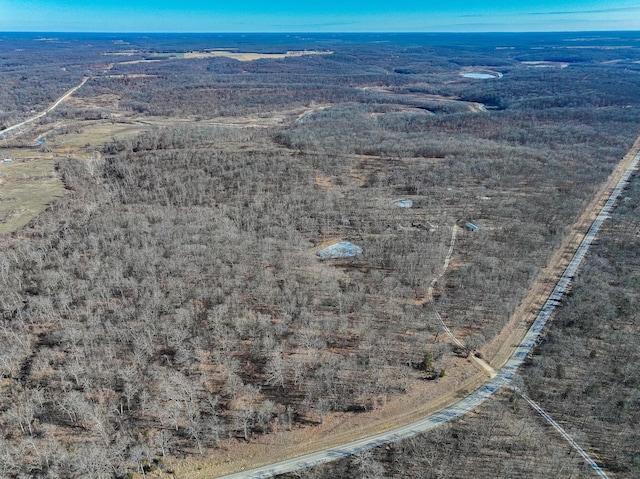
[240, 56]
[28, 185]
[87, 137]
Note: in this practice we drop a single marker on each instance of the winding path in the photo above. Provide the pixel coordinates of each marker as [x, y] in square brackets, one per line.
[477, 397]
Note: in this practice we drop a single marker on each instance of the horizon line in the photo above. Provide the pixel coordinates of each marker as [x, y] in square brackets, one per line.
[289, 32]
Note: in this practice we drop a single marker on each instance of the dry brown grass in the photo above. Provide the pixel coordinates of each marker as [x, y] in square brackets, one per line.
[133, 62]
[106, 101]
[90, 135]
[425, 397]
[322, 181]
[248, 57]
[474, 107]
[28, 185]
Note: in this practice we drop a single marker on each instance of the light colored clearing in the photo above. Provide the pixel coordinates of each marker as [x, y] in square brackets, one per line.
[131, 75]
[475, 107]
[94, 134]
[545, 64]
[86, 135]
[257, 120]
[323, 181]
[400, 109]
[27, 186]
[106, 101]
[312, 109]
[243, 57]
[133, 62]
[127, 53]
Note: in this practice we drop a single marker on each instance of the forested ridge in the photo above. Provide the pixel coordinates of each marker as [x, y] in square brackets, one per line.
[172, 304]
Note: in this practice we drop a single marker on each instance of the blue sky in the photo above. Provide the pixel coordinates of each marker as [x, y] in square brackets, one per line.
[317, 16]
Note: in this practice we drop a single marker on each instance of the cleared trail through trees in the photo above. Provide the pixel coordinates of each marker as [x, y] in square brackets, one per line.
[70, 92]
[503, 376]
[445, 266]
[564, 433]
[429, 299]
[472, 106]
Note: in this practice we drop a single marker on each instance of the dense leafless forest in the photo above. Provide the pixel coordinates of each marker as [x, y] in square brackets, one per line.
[585, 374]
[172, 304]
